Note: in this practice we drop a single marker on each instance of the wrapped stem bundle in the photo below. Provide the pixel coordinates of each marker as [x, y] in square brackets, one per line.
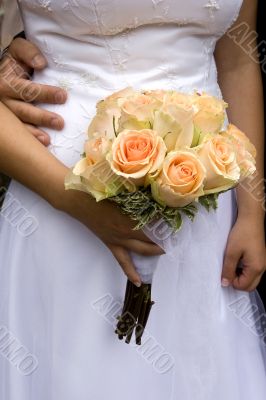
[138, 301]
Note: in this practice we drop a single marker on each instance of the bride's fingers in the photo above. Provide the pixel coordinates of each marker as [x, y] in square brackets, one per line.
[249, 279]
[139, 235]
[230, 264]
[143, 248]
[123, 258]
[240, 285]
[41, 135]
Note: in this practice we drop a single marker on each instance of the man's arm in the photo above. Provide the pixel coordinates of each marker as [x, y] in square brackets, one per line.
[22, 96]
[10, 22]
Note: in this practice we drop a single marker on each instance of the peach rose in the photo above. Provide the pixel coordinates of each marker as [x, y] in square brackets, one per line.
[184, 100]
[137, 112]
[239, 138]
[219, 158]
[204, 101]
[135, 154]
[247, 166]
[181, 179]
[157, 94]
[245, 150]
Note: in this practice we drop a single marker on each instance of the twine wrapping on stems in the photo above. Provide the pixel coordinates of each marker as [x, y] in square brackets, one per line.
[137, 302]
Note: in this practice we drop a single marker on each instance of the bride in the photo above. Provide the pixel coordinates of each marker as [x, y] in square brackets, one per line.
[60, 287]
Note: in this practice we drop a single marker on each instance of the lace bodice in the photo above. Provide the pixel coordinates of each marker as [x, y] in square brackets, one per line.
[94, 47]
[144, 37]
[79, 18]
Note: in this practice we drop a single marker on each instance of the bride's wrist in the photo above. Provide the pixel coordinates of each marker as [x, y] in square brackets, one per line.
[254, 220]
[74, 203]
[55, 192]
[251, 211]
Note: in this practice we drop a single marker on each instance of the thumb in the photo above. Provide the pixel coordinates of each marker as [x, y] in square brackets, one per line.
[123, 258]
[26, 52]
[231, 260]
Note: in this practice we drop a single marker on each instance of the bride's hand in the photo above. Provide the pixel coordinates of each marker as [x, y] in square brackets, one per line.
[246, 243]
[112, 227]
[22, 96]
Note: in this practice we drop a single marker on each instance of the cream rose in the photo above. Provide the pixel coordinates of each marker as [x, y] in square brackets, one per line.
[96, 179]
[175, 124]
[135, 154]
[96, 149]
[105, 122]
[219, 158]
[108, 113]
[93, 174]
[137, 112]
[156, 94]
[184, 100]
[181, 179]
[116, 97]
[210, 115]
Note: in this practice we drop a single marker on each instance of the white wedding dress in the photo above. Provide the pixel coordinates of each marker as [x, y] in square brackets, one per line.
[60, 287]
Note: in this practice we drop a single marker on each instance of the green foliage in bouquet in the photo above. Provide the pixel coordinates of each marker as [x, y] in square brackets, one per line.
[142, 207]
[210, 201]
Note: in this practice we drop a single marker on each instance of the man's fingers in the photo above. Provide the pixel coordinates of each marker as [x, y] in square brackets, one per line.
[48, 94]
[126, 263]
[27, 53]
[28, 91]
[143, 248]
[41, 135]
[15, 81]
[11, 67]
[33, 115]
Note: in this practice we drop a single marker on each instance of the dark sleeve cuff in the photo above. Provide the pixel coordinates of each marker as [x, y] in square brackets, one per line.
[20, 35]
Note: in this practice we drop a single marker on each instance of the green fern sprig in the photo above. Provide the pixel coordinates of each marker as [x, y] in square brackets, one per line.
[143, 209]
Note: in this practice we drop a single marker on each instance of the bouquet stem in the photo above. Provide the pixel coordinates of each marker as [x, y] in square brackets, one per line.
[135, 313]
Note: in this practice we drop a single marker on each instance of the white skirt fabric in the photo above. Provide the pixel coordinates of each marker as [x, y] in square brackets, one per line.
[60, 293]
[60, 287]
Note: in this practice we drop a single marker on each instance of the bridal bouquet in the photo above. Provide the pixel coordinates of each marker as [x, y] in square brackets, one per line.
[159, 155]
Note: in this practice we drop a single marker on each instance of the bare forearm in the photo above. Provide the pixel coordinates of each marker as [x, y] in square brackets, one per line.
[242, 89]
[23, 158]
[240, 80]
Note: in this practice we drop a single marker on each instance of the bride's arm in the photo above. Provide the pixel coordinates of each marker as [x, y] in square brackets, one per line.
[240, 80]
[25, 159]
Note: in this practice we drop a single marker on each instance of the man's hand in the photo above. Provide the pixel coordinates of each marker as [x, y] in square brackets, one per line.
[21, 95]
